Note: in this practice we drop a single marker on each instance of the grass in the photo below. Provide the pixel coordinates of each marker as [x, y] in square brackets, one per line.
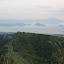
[11, 56]
[29, 58]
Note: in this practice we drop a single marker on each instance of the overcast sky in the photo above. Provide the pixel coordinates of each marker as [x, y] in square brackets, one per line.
[32, 9]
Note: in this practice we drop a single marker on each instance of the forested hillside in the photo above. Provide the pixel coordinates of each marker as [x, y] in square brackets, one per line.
[6, 57]
[39, 48]
[34, 48]
[3, 49]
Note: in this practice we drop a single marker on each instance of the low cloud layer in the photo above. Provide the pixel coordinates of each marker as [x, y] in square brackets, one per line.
[61, 25]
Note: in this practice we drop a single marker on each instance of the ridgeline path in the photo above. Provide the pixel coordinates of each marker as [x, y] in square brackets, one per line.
[17, 55]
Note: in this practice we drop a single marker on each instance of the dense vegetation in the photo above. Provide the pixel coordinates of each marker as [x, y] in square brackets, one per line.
[3, 48]
[5, 51]
[34, 48]
[39, 48]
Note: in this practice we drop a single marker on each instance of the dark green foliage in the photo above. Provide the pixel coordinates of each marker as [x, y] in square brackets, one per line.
[3, 48]
[38, 48]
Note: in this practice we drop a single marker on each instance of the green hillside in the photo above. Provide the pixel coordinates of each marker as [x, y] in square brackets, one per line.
[39, 48]
[34, 48]
[5, 52]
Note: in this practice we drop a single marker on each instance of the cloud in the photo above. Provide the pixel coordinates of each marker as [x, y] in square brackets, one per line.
[33, 9]
[59, 12]
[45, 7]
[61, 25]
[54, 3]
[39, 24]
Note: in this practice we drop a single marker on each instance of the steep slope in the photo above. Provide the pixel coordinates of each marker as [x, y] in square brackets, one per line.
[39, 48]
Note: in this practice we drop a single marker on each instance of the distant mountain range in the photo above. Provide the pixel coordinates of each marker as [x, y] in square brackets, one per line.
[17, 24]
[14, 21]
[6, 33]
[60, 35]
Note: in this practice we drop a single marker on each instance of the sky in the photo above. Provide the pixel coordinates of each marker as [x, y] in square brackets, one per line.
[34, 15]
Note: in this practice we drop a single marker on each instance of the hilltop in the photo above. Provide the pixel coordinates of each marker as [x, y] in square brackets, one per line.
[39, 48]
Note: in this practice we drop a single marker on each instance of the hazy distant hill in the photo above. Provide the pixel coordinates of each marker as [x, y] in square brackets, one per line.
[61, 35]
[6, 33]
[13, 22]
